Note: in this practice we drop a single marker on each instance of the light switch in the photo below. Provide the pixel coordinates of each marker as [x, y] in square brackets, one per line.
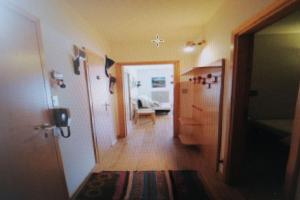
[55, 101]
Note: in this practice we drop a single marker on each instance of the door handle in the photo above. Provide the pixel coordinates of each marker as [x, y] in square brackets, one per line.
[44, 126]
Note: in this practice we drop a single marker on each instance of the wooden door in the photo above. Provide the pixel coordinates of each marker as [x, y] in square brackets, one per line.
[101, 103]
[30, 167]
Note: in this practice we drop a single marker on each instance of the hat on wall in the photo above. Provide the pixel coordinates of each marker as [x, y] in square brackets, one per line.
[108, 64]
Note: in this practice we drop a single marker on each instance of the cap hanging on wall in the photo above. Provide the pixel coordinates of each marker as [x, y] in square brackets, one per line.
[108, 64]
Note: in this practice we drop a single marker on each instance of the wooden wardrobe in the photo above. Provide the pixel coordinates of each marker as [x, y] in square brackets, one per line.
[201, 110]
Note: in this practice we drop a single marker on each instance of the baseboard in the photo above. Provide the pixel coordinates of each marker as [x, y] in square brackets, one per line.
[82, 185]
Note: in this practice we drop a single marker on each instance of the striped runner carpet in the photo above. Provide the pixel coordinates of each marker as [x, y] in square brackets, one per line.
[143, 185]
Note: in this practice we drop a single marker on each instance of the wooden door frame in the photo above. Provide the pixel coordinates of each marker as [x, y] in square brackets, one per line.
[122, 129]
[242, 56]
[91, 104]
[47, 85]
[129, 96]
[220, 117]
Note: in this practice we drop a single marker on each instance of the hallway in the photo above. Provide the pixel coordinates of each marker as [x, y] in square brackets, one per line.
[150, 147]
[208, 86]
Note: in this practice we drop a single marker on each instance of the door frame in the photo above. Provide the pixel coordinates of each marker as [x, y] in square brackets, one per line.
[241, 57]
[129, 96]
[91, 104]
[47, 85]
[122, 129]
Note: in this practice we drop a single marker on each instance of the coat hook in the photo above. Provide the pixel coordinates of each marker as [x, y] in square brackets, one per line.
[204, 81]
[216, 79]
[195, 79]
[199, 79]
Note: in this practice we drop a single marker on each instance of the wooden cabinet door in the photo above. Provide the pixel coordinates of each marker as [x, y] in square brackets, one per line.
[30, 167]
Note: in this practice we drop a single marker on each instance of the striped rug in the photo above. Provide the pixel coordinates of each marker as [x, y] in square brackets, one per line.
[144, 185]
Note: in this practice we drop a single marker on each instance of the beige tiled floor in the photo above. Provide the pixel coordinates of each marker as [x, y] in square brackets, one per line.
[150, 147]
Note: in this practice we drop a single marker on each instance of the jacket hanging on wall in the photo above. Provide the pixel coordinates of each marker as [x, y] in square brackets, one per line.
[112, 82]
[108, 64]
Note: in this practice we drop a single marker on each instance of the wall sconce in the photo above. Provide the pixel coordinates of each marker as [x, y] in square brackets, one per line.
[59, 78]
[190, 46]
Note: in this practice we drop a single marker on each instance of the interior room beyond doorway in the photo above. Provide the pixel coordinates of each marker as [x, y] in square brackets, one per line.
[148, 95]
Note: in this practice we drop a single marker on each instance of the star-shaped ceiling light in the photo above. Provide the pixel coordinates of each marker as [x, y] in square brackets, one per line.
[157, 41]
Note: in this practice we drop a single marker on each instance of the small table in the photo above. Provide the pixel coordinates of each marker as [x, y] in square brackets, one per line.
[144, 112]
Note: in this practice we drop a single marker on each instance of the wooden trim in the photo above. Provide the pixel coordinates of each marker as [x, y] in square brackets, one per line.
[220, 125]
[120, 94]
[91, 106]
[176, 98]
[292, 170]
[242, 62]
[239, 105]
[122, 132]
[269, 15]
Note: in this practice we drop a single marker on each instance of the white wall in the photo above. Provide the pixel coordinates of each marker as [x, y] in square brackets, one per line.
[145, 73]
[145, 77]
[130, 90]
[134, 77]
[275, 75]
[141, 51]
[62, 28]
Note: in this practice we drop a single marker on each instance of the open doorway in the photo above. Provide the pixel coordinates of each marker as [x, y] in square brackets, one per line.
[148, 96]
[263, 154]
[121, 89]
[271, 108]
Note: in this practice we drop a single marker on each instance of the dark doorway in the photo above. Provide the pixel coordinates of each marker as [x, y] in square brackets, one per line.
[256, 156]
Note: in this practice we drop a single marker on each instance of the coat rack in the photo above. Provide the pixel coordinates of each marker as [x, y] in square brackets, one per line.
[209, 79]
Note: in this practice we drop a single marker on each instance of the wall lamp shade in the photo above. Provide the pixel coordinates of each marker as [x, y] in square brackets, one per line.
[108, 64]
[190, 46]
[189, 49]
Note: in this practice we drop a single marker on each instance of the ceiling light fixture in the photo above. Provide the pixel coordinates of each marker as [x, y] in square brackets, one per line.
[157, 41]
[190, 46]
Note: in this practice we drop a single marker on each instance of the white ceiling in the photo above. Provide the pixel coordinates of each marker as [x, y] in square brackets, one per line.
[289, 24]
[141, 20]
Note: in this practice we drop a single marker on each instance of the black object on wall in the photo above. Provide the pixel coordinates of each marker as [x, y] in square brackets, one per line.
[112, 82]
[108, 64]
[79, 55]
